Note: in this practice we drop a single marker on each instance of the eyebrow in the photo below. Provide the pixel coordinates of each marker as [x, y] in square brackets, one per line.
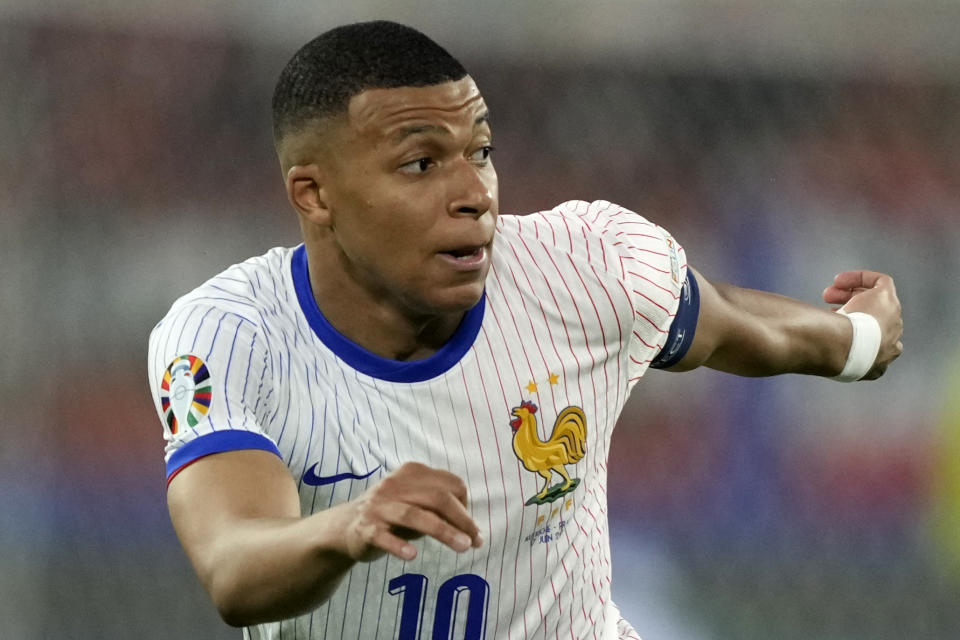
[405, 132]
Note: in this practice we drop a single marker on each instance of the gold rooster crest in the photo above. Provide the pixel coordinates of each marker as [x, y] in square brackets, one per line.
[566, 445]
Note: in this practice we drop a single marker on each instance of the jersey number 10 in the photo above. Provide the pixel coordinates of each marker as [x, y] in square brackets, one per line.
[412, 587]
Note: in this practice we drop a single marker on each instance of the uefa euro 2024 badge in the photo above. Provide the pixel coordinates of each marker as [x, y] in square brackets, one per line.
[185, 393]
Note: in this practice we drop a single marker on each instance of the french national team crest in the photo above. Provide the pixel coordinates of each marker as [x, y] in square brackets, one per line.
[566, 445]
[185, 392]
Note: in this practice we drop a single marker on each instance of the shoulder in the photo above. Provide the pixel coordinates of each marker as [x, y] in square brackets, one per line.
[602, 233]
[568, 220]
[249, 290]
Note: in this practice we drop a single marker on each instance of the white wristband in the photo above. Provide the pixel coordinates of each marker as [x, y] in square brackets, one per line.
[863, 348]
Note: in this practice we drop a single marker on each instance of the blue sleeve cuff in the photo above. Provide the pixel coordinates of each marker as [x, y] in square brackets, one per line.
[683, 327]
[218, 442]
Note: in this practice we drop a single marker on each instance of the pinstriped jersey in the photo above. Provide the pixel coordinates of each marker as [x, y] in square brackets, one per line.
[520, 403]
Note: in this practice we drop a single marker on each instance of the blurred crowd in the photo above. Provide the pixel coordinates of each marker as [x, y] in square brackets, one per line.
[133, 166]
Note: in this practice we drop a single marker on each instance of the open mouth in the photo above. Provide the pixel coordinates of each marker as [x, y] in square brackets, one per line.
[469, 258]
[465, 254]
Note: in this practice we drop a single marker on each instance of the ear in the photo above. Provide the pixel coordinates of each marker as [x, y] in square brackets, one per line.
[306, 193]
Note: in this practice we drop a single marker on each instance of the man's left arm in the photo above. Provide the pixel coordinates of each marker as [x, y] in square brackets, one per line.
[755, 333]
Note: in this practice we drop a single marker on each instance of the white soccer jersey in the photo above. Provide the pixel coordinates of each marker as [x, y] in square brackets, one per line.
[578, 302]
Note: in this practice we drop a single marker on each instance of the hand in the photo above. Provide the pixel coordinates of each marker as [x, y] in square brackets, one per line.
[873, 293]
[413, 501]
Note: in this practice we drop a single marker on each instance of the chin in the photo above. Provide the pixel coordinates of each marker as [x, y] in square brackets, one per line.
[456, 299]
[464, 300]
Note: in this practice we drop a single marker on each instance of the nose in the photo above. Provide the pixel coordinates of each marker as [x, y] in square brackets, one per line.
[472, 189]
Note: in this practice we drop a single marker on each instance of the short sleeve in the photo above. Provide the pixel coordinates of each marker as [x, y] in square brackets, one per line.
[653, 267]
[207, 374]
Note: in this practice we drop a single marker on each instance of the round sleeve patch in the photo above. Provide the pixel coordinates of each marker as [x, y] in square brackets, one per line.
[185, 393]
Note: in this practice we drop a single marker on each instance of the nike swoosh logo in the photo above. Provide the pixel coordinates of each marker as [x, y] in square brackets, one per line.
[312, 479]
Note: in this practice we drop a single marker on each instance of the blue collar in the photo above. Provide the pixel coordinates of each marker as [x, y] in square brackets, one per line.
[368, 362]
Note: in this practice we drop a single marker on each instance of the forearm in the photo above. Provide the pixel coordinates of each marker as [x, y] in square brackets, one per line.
[267, 569]
[237, 514]
[775, 334]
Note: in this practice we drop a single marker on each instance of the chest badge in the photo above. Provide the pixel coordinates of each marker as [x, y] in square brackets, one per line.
[566, 445]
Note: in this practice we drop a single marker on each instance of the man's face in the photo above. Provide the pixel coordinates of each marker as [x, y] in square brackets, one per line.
[412, 195]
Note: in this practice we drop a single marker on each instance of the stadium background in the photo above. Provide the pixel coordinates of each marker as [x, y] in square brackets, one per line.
[779, 142]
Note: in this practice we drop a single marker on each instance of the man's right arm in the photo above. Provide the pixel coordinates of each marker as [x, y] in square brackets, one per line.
[237, 515]
[756, 333]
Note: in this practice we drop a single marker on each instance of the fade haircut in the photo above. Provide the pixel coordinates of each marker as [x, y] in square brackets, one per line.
[326, 72]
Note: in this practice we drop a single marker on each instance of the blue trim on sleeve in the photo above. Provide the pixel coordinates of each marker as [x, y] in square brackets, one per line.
[684, 326]
[218, 442]
[370, 363]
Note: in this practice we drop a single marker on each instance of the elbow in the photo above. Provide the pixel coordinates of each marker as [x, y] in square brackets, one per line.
[227, 599]
[235, 602]
[238, 600]
[242, 604]
[237, 611]
[232, 616]
[243, 612]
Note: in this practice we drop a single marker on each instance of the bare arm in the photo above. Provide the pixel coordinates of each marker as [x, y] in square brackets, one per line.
[237, 515]
[755, 333]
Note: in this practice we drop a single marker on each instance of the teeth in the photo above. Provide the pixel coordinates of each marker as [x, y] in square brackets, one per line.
[461, 254]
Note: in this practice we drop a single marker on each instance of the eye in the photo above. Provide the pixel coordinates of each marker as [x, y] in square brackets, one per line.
[419, 165]
[481, 155]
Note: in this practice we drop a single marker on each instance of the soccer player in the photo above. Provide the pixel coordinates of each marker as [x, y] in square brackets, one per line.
[399, 429]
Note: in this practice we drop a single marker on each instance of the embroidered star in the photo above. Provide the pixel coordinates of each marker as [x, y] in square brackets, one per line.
[554, 378]
[532, 387]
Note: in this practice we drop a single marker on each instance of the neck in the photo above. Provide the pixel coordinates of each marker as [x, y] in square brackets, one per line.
[375, 320]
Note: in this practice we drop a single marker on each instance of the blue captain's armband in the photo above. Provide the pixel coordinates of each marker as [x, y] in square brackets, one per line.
[683, 327]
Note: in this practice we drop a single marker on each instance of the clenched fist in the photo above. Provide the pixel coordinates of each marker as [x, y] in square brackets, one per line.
[873, 293]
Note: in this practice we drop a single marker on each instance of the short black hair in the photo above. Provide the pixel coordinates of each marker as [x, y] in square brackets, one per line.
[326, 72]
